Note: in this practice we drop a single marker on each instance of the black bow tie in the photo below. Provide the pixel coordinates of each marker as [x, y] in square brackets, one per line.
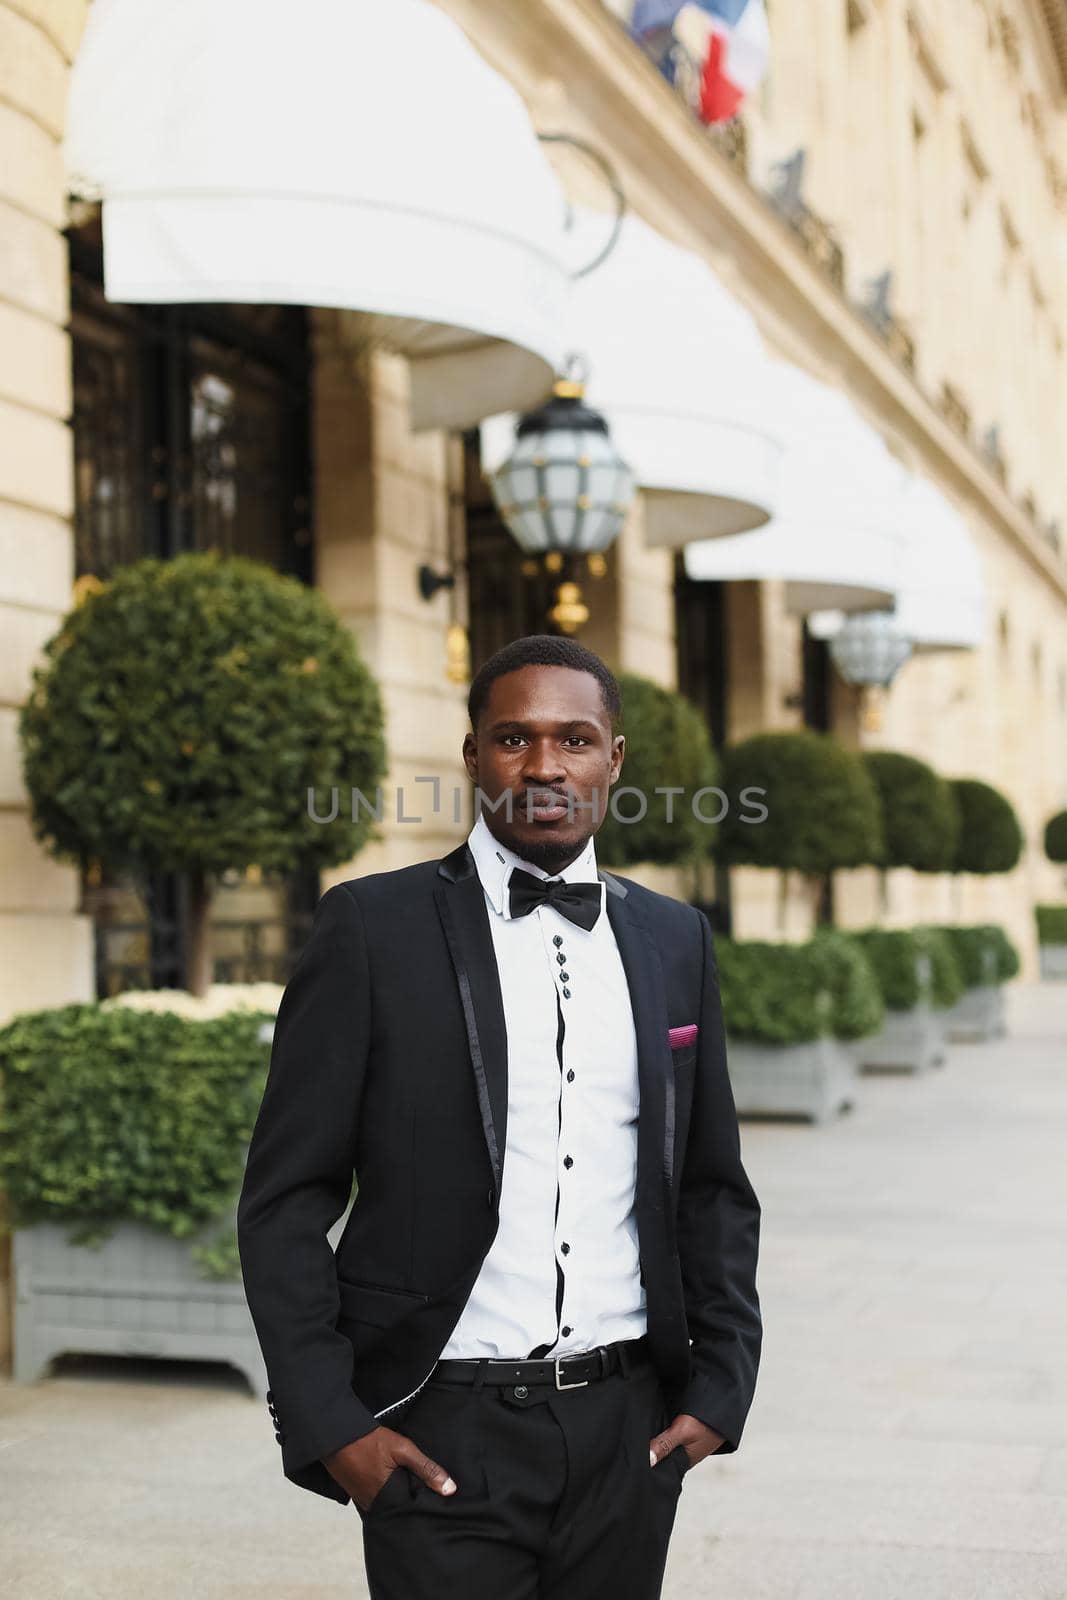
[579, 902]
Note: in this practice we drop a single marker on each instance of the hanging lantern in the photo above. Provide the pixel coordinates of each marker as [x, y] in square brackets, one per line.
[868, 651]
[564, 487]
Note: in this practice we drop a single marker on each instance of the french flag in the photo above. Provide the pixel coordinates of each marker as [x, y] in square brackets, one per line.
[715, 51]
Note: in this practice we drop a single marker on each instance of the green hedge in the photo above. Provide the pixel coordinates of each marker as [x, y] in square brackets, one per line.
[858, 1007]
[894, 957]
[110, 1115]
[1051, 924]
[793, 993]
[969, 946]
[946, 983]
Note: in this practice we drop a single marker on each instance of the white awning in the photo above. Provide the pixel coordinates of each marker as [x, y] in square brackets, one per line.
[341, 153]
[677, 367]
[942, 604]
[836, 539]
[940, 601]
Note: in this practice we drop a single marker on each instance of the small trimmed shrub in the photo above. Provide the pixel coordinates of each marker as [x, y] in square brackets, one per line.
[115, 1114]
[794, 993]
[1056, 837]
[991, 839]
[922, 816]
[894, 955]
[1051, 924]
[970, 946]
[946, 981]
[858, 1007]
[667, 746]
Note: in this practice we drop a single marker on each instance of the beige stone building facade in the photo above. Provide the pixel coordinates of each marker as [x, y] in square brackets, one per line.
[932, 139]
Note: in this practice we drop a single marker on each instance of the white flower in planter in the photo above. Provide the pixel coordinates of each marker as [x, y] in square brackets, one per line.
[220, 999]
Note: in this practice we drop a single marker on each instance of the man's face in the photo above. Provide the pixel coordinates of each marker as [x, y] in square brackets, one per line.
[545, 738]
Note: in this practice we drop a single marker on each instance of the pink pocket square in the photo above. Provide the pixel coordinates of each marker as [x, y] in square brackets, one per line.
[686, 1034]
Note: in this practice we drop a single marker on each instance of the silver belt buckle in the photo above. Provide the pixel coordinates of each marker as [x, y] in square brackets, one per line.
[583, 1383]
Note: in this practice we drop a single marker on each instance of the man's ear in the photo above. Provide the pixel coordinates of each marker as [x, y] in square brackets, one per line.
[470, 756]
[618, 751]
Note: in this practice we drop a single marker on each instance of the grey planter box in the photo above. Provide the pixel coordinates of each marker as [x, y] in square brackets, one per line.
[813, 1080]
[139, 1293]
[1053, 960]
[978, 1014]
[910, 1041]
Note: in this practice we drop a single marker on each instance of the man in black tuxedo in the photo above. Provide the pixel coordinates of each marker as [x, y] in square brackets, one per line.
[542, 1311]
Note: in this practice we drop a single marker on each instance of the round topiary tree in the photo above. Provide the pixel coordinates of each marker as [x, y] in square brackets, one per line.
[821, 807]
[990, 838]
[667, 747]
[922, 817]
[1056, 837]
[185, 714]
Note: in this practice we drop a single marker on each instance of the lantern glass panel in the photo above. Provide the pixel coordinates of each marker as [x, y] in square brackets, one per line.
[564, 522]
[563, 480]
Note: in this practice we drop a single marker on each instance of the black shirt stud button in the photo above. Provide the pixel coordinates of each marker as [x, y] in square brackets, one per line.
[561, 958]
[570, 1075]
[557, 939]
[566, 994]
[568, 1162]
[566, 1332]
[565, 1248]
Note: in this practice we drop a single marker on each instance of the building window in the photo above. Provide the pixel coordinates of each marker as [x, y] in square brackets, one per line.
[702, 643]
[190, 429]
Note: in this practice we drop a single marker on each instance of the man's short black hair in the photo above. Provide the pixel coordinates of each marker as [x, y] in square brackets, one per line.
[542, 650]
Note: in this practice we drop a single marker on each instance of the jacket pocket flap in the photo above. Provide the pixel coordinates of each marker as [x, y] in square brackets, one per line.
[369, 1302]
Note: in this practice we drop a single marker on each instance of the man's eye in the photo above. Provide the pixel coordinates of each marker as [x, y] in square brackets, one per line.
[509, 736]
[577, 738]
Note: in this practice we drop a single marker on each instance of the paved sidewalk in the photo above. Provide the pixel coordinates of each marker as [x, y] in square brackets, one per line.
[908, 1440]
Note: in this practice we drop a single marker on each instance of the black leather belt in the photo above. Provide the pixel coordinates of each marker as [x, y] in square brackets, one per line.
[561, 1372]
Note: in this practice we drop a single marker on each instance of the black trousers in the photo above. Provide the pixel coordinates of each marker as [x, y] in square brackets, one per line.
[555, 1498]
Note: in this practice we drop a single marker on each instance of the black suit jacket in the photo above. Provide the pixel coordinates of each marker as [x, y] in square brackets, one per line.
[390, 1062]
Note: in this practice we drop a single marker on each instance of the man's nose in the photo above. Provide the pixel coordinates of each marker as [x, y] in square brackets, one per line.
[543, 762]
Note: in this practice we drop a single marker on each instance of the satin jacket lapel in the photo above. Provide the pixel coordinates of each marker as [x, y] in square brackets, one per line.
[648, 997]
[461, 905]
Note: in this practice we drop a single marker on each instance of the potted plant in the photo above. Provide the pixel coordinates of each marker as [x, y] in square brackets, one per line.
[1052, 940]
[919, 980]
[987, 960]
[791, 1014]
[822, 809]
[186, 713]
[123, 1135]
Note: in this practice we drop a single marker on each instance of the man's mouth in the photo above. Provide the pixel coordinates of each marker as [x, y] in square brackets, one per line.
[544, 805]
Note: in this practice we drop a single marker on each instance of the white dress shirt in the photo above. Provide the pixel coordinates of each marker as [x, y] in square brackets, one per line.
[563, 1272]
